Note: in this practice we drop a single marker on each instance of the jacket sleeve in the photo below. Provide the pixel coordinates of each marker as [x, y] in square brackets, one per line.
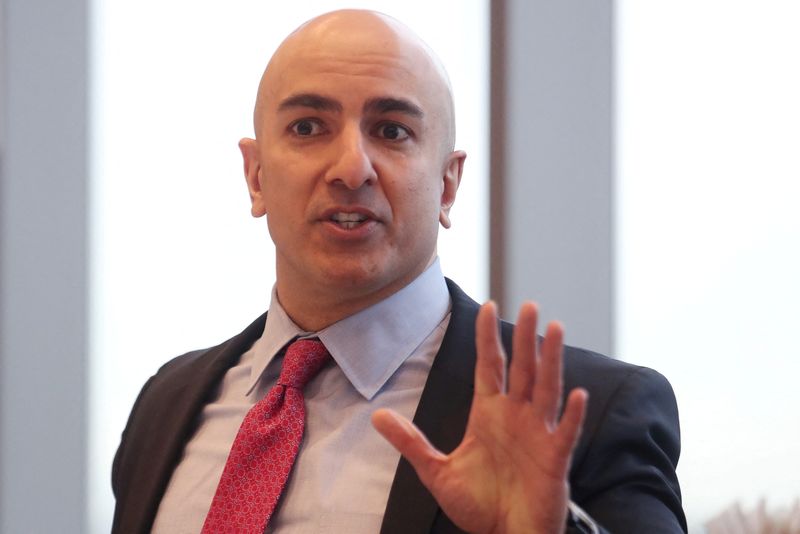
[116, 468]
[623, 476]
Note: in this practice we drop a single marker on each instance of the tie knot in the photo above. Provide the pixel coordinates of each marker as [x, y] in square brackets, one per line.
[304, 359]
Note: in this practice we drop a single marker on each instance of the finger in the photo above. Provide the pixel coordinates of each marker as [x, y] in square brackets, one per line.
[490, 367]
[571, 424]
[548, 383]
[523, 358]
[410, 442]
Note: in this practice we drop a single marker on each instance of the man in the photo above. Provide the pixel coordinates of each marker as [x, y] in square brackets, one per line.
[354, 167]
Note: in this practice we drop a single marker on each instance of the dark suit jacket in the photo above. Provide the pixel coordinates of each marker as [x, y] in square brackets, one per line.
[623, 470]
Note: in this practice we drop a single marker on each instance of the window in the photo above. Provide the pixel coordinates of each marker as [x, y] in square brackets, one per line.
[709, 235]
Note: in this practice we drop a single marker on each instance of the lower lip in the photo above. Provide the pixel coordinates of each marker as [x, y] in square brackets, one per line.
[361, 231]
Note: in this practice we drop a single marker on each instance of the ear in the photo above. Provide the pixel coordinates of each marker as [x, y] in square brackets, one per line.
[451, 179]
[252, 174]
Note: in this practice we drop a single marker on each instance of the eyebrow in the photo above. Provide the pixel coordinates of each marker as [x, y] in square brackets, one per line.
[374, 105]
[388, 104]
[310, 100]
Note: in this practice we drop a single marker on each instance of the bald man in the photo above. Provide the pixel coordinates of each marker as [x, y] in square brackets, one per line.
[354, 167]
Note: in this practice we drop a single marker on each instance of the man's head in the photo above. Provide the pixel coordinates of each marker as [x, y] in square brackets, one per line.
[353, 162]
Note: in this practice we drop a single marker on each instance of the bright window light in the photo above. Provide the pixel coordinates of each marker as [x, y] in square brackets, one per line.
[709, 235]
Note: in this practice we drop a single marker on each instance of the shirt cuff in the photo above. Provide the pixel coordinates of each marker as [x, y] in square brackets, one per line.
[579, 522]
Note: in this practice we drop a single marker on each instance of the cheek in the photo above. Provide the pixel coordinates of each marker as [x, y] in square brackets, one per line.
[284, 186]
[422, 199]
[429, 201]
[427, 192]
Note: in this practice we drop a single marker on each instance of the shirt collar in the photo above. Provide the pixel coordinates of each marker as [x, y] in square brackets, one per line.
[372, 344]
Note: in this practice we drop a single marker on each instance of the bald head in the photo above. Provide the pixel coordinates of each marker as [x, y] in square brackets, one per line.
[353, 162]
[353, 38]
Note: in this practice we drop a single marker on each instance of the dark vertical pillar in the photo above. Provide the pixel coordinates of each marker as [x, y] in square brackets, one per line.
[43, 266]
[552, 163]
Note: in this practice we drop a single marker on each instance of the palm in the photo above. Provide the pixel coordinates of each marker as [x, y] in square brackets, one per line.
[509, 473]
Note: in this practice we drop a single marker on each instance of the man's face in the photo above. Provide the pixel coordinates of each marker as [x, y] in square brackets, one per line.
[352, 164]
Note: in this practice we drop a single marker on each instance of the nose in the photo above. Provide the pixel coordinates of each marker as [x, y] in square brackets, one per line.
[352, 164]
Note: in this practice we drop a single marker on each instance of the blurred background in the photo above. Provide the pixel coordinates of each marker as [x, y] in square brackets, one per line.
[634, 166]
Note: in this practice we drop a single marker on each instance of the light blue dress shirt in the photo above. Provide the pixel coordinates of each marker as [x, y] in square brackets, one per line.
[343, 473]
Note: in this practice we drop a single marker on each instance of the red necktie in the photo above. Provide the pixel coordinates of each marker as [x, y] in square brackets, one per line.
[264, 450]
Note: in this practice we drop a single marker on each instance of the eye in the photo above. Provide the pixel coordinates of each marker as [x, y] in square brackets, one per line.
[306, 128]
[393, 131]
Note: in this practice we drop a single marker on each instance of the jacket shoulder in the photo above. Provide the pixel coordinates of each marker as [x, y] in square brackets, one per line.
[161, 421]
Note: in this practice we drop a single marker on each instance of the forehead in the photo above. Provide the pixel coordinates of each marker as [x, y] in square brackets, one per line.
[350, 75]
[352, 66]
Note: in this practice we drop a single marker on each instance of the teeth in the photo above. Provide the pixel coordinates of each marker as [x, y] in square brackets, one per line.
[342, 217]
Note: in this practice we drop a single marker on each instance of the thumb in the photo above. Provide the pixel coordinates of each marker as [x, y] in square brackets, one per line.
[410, 442]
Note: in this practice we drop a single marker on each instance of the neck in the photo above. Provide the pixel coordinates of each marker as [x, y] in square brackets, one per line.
[323, 309]
[314, 308]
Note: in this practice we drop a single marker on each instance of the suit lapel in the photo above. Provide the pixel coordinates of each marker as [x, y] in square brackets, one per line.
[442, 416]
[171, 421]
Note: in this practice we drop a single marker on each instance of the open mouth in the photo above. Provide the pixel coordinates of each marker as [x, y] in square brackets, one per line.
[348, 221]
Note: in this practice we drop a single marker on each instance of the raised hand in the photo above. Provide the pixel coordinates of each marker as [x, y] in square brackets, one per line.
[509, 474]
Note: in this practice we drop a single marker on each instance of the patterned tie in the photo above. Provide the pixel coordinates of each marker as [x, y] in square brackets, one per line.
[264, 450]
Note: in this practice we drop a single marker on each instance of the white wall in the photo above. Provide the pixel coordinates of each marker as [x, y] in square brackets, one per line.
[709, 235]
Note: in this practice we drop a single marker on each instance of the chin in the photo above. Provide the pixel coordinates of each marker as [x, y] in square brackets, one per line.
[356, 277]
[352, 276]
